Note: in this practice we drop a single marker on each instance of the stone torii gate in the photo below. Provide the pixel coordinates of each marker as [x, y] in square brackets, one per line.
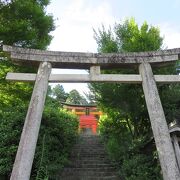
[45, 60]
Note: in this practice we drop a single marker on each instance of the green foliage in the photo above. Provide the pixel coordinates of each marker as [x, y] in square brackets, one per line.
[140, 167]
[124, 99]
[126, 128]
[12, 93]
[22, 23]
[128, 100]
[59, 94]
[170, 97]
[11, 123]
[57, 134]
[128, 37]
[25, 23]
[131, 38]
[134, 163]
[90, 98]
[75, 98]
[116, 135]
[106, 41]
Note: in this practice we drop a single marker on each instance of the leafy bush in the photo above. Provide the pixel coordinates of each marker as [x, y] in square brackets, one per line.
[140, 167]
[11, 123]
[133, 163]
[57, 134]
[117, 138]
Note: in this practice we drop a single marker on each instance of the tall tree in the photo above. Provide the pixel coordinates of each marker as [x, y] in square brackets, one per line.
[24, 24]
[90, 96]
[75, 98]
[126, 99]
[59, 93]
[127, 126]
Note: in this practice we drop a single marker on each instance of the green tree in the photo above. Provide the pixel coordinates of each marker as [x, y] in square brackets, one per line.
[132, 38]
[125, 99]
[90, 96]
[25, 23]
[59, 93]
[127, 127]
[128, 37]
[75, 98]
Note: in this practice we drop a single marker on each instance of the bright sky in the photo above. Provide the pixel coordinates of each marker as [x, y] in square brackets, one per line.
[75, 20]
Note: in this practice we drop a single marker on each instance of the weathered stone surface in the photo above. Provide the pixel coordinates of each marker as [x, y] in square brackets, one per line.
[159, 125]
[85, 60]
[89, 161]
[77, 54]
[176, 148]
[123, 78]
[25, 154]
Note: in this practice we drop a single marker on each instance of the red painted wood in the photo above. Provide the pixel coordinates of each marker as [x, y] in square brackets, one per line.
[87, 115]
[88, 121]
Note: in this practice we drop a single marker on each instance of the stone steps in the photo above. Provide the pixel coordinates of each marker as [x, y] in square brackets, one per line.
[89, 158]
[90, 147]
[90, 174]
[84, 155]
[89, 171]
[89, 161]
[89, 150]
[95, 165]
[90, 178]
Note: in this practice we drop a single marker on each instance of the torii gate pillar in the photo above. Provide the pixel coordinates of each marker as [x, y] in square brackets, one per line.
[159, 125]
[25, 154]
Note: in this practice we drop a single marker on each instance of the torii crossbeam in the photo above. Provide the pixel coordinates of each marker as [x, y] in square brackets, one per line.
[45, 60]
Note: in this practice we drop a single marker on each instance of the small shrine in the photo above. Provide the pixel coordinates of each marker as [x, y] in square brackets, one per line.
[174, 130]
[88, 116]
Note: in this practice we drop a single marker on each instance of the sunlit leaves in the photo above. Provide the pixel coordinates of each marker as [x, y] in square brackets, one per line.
[25, 23]
[132, 38]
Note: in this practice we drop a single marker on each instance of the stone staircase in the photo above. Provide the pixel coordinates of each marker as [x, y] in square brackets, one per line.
[89, 161]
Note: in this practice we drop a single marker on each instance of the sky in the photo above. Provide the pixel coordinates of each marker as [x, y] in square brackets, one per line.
[76, 19]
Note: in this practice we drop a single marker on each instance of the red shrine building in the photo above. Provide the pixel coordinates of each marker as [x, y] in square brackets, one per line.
[88, 115]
